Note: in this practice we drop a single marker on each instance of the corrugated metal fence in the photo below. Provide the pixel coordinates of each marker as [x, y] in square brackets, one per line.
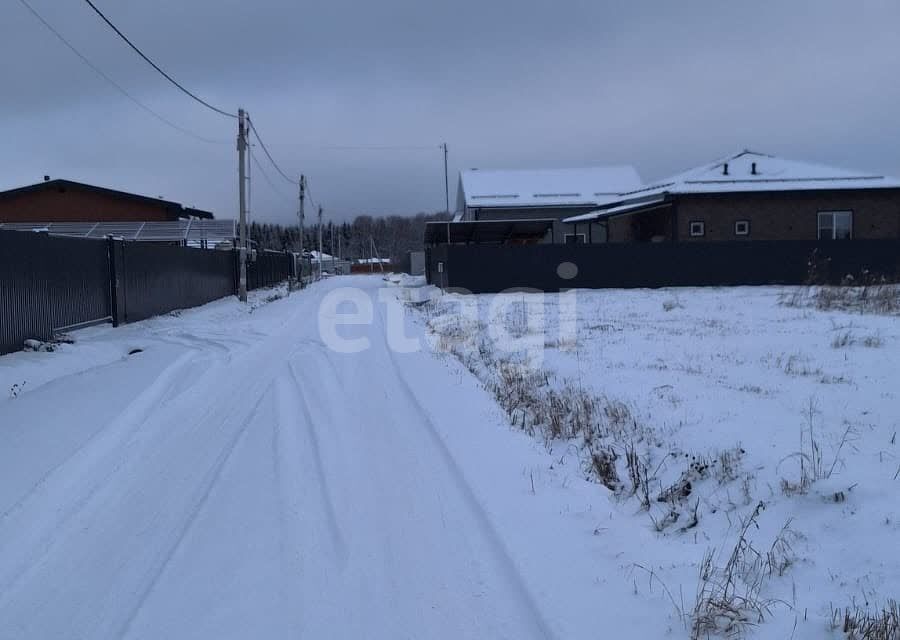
[49, 283]
[552, 267]
[158, 279]
[269, 268]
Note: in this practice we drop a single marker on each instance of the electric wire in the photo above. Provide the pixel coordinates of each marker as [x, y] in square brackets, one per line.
[269, 155]
[195, 97]
[112, 82]
[309, 196]
[156, 66]
[267, 178]
[376, 147]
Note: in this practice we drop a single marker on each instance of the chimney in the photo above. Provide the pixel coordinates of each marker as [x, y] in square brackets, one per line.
[753, 169]
[725, 169]
[46, 178]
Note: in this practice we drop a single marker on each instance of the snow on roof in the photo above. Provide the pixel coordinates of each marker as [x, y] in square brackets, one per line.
[752, 171]
[743, 172]
[546, 187]
[325, 257]
[643, 203]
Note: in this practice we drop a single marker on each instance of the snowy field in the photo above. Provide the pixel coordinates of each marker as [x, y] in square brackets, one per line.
[736, 436]
[338, 464]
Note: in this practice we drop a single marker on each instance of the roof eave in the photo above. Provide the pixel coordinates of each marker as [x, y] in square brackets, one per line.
[635, 205]
[792, 189]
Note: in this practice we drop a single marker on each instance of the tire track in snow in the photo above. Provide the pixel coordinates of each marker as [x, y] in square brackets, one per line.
[288, 509]
[93, 454]
[340, 545]
[131, 419]
[195, 341]
[500, 552]
[196, 507]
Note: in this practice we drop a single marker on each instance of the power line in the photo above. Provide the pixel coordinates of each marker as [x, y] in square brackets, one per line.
[377, 147]
[156, 66]
[268, 179]
[309, 195]
[112, 82]
[269, 155]
[366, 147]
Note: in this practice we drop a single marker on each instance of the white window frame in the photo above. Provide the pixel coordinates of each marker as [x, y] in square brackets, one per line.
[575, 235]
[833, 216]
[746, 231]
[702, 228]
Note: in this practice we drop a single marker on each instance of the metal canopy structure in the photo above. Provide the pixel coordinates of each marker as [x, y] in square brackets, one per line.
[191, 232]
[487, 231]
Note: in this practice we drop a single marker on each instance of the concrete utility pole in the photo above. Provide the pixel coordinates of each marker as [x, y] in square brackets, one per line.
[242, 190]
[320, 242]
[300, 214]
[446, 179]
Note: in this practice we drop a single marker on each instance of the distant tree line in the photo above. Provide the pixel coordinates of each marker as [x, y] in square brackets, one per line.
[393, 236]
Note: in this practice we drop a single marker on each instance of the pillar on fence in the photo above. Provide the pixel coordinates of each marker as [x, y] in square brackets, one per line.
[236, 254]
[117, 301]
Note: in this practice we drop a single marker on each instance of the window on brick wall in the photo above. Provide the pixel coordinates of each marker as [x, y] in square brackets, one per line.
[835, 225]
[742, 228]
[698, 228]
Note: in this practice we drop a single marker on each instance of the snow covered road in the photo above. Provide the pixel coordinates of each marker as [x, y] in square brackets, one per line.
[240, 479]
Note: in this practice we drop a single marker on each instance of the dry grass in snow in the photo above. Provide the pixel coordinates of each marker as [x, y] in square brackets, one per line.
[751, 430]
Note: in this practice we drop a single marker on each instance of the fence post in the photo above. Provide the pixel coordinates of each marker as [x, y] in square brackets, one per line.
[117, 300]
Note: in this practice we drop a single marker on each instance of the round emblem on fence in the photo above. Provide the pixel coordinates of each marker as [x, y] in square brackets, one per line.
[567, 270]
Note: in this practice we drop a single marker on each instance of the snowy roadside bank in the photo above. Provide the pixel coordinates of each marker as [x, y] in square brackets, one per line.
[101, 345]
[703, 411]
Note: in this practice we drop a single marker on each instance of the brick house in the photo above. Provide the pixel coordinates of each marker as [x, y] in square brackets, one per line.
[751, 196]
[68, 201]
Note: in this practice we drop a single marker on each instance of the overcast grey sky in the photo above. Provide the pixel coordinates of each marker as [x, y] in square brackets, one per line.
[507, 84]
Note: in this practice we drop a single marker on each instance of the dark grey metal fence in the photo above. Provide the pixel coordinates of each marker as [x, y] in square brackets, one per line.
[158, 278]
[489, 269]
[48, 283]
[269, 269]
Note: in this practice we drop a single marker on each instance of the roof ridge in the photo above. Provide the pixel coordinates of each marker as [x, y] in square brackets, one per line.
[578, 168]
[59, 182]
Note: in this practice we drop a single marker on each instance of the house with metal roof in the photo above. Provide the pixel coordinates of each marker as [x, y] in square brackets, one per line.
[529, 205]
[540, 193]
[68, 201]
[752, 196]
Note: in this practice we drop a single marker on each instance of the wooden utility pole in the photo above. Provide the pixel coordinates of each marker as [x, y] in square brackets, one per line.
[242, 191]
